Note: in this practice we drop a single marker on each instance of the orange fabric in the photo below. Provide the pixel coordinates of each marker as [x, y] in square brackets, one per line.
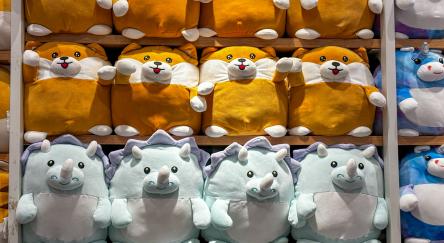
[241, 18]
[4, 181]
[4, 92]
[160, 18]
[5, 5]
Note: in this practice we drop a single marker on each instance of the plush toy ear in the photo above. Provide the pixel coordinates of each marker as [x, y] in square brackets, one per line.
[300, 52]
[419, 149]
[97, 48]
[208, 51]
[32, 45]
[131, 47]
[362, 52]
[189, 49]
[270, 50]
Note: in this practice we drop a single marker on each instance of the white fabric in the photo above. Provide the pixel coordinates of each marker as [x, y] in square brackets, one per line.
[64, 217]
[425, 14]
[343, 215]
[5, 30]
[430, 198]
[429, 112]
[258, 222]
[159, 220]
[4, 135]
[183, 73]
[216, 71]
[88, 71]
[358, 74]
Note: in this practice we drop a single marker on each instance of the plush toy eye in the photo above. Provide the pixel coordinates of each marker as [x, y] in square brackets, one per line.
[81, 165]
[54, 55]
[229, 56]
[441, 60]
[323, 58]
[146, 58]
[417, 61]
[334, 164]
[250, 174]
[77, 54]
[427, 157]
[252, 56]
[345, 58]
[174, 169]
[169, 60]
[147, 170]
[274, 173]
[50, 163]
[361, 166]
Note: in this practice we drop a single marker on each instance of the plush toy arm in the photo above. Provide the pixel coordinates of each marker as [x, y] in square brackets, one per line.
[102, 214]
[219, 214]
[283, 67]
[295, 76]
[380, 220]
[106, 75]
[205, 88]
[105, 4]
[406, 102]
[403, 94]
[408, 200]
[309, 4]
[197, 102]
[305, 205]
[120, 216]
[26, 209]
[375, 97]
[124, 69]
[31, 61]
[293, 214]
[201, 213]
[282, 4]
[120, 8]
[405, 4]
[375, 6]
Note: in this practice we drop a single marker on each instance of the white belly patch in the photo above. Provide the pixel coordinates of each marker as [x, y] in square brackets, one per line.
[430, 112]
[430, 209]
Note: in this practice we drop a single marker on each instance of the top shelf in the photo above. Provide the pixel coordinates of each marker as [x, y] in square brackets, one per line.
[433, 43]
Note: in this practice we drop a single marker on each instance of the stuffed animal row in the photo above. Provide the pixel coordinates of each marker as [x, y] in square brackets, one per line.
[266, 19]
[163, 190]
[71, 88]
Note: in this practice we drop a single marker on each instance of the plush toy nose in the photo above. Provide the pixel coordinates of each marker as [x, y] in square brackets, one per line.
[266, 182]
[158, 63]
[66, 171]
[164, 175]
[352, 168]
[64, 58]
[241, 60]
[336, 64]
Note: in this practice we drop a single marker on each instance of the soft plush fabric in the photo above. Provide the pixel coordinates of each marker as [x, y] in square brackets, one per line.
[152, 90]
[345, 203]
[235, 81]
[65, 194]
[4, 108]
[334, 94]
[422, 189]
[242, 18]
[248, 190]
[151, 18]
[156, 190]
[420, 19]
[66, 16]
[67, 90]
[4, 182]
[309, 19]
[5, 24]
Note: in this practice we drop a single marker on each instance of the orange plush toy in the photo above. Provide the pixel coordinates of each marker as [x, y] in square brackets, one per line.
[4, 181]
[152, 91]
[67, 90]
[264, 19]
[4, 108]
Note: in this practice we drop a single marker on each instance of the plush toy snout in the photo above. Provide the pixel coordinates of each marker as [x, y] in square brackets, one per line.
[157, 71]
[241, 68]
[432, 71]
[435, 166]
[263, 188]
[348, 177]
[65, 66]
[64, 177]
[161, 182]
[334, 70]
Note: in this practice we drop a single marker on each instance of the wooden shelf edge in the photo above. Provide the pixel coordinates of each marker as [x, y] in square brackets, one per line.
[4, 157]
[5, 57]
[433, 43]
[421, 140]
[280, 43]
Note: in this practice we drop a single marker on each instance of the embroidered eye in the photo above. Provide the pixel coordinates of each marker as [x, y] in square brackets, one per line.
[427, 157]
[333, 164]
[54, 55]
[252, 56]
[417, 61]
[441, 60]
[345, 58]
[229, 56]
[250, 174]
[50, 163]
[77, 54]
[174, 169]
[169, 60]
[274, 173]
[323, 58]
[361, 166]
[146, 58]
[147, 170]
[81, 165]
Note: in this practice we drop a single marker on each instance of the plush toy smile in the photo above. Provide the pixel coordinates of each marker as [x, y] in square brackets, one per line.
[65, 64]
[335, 71]
[157, 70]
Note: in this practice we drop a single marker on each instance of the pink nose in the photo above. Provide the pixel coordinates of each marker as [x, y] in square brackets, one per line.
[429, 67]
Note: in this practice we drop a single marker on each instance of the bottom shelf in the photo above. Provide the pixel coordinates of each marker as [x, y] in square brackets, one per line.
[421, 140]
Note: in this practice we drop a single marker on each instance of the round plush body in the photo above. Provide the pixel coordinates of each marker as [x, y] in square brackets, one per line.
[4, 108]
[65, 192]
[67, 16]
[420, 19]
[156, 191]
[162, 77]
[422, 187]
[248, 190]
[5, 24]
[345, 203]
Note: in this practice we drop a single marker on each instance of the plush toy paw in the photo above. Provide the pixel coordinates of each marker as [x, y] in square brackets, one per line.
[38, 30]
[309, 4]
[408, 202]
[205, 88]
[101, 130]
[360, 132]
[34, 137]
[306, 208]
[284, 65]
[267, 34]
[199, 104]
[107, 72]
[122, 221]
[408, 105]
[293, 219]
[401, 36]
[100, 29]
[102, 218]
[282, 4]
[408, 133]
[276, 131]
[416, 240]
[105, 4]
[299, 131]
[205, 1]
[191, 35]
[181, 131]
[31, 58]
[222, 221]
[126, 131]
[377, 99]
[126, 67]
[405, 4]
[26, 213]
[297, 65]
[307, 34]
[375, 6]
[215, 131]
[207, 32]
[120, 8]
[365, 34]
[202, 220]
[131, 33]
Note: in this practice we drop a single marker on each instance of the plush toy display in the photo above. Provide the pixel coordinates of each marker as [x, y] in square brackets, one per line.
[153, 89]
[247, 91]
[422, 190]
[339, 195]
[311, 19]
[4, 107]
[249, 190]
[419, 19]
[156, 191]
[334, 95]
[264, 19]
[151, 18]
[5, 24]
[67, 90]
[65, 194]
[45, 17]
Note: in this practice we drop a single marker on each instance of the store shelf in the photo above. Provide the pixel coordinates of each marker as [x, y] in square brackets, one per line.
[4, 157]
[5, 57]
[435, 43]
[421, 140]
[283, 44]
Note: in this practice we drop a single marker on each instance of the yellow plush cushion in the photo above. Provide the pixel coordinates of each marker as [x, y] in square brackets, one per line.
[331, 18]
[4, 92]
[66, 16]
[5, 5]
[159, 18]
[241, 18]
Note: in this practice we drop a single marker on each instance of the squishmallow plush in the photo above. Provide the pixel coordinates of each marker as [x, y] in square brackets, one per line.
[4, 182]
[264, 19]
[45, 17]
[249, 189]
[345, 203]
[334, 94]
[247, 91]
[5, 24]
[151, 18]
[67, 90]
[422, 189]
[153, 89]
[419, 19]
[4, 108]
[156, 191]
[65, 193]
[312, 19]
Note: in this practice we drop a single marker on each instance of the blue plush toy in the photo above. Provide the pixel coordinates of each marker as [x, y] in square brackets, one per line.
[339, 195]
[156, 191]
[422, 195]
[249, 189]
[65, 194]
